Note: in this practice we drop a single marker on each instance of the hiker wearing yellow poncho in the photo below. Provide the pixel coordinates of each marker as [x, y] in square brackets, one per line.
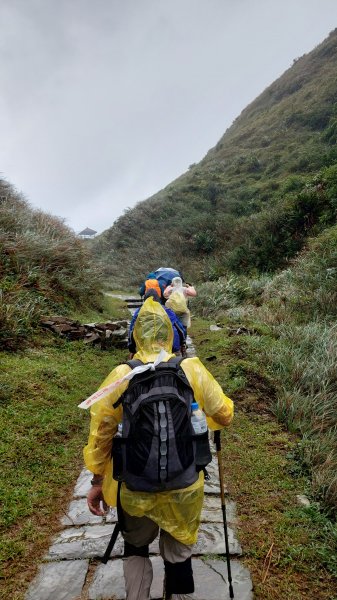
[177, 512]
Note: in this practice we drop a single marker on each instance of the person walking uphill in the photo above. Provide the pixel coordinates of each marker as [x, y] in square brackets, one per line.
[151, 283]
[176, 296]
[179, 331]
[170, 498]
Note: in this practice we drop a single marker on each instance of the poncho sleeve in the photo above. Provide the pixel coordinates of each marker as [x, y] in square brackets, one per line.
[219, 409]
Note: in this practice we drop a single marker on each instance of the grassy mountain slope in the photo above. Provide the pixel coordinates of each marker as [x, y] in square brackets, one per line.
[43, 267]
[287, 350]
[252, 201]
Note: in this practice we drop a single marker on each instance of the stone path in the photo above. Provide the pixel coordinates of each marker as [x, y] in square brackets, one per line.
[72, 570]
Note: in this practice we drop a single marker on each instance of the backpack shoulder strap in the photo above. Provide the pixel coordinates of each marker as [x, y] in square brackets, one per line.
[174, 364]
[135, 362]
[132, 364]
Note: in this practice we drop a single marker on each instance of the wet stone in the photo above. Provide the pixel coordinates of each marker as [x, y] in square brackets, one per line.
[212, 486]
[212, 510]
[109, 581]
[83, 484]
[211, 540]
[87, 541]
[59, 581]
[79, 514]
[241, 580]
[210, 578]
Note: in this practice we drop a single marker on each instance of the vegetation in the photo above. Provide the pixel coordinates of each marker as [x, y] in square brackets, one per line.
[290, 549]
[254, 224]
[289, 337]
[251, 203]
[42, 436]
[255, 221]
[44, 268]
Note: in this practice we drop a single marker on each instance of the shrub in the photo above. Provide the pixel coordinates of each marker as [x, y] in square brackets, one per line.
[43, 266]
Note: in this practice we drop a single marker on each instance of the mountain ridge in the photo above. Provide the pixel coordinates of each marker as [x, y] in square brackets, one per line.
[276, 150]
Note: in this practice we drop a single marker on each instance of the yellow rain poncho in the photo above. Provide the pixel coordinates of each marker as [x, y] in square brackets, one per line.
[178, 511]
[178, 303]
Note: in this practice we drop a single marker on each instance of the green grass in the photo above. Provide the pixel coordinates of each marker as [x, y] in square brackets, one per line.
[112, 309]
[42, 436]
[264, 476]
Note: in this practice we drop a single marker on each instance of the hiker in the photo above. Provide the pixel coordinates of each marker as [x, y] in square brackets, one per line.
[151, 283]
[174, 511]
[176, 296]
[179, 331]
[165, 276]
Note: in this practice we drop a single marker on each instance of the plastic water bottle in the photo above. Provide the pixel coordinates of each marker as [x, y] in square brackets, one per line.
[198, 419]
[203, 453]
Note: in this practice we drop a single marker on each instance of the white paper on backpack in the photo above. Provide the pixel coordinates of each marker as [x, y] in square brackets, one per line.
[102, 392]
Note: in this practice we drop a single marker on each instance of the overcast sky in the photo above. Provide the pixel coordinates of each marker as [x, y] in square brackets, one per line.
[104, 102]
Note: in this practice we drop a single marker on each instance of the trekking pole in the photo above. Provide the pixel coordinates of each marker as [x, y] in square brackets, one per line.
[217, 442]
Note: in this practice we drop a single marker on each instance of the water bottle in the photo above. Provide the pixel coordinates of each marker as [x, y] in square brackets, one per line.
[200, 429]
[117, 454]
[198, 419]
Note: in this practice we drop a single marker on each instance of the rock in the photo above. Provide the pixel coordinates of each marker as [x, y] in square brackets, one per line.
[59, 581]
[90, 338]
[212, 510]
[119, 332]
[83, 484]
[211, 540]
[109, 580]
[215, 328]
[79, 514]
[302, 500]
[88, 541]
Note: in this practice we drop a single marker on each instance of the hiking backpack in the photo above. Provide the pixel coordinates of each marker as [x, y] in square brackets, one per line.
[157, 449]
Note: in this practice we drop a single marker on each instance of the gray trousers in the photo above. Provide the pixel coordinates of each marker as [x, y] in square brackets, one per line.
[140, 531]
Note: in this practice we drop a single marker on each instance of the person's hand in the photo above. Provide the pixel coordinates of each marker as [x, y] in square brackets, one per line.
[95, 499]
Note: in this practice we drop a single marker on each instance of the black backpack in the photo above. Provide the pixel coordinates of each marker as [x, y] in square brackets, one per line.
[157, 449]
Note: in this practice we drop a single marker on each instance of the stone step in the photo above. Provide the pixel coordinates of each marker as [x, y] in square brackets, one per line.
[90, 541]
[79, 514]
[64, 580]
[59, 581]
[210, 580]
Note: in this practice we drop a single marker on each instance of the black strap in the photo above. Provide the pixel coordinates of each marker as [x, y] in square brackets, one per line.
[116, 530]
[134, 363]
[111, 544]
[172, 364]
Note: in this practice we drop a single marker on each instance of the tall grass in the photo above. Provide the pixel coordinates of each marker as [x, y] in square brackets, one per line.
[303, 361]
[43, 266]
[299, 305]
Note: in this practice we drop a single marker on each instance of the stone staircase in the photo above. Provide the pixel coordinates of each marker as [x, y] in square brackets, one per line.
[72, 570]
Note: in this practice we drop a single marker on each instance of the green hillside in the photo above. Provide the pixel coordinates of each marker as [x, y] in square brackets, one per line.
[249, 205]
[44, 267]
